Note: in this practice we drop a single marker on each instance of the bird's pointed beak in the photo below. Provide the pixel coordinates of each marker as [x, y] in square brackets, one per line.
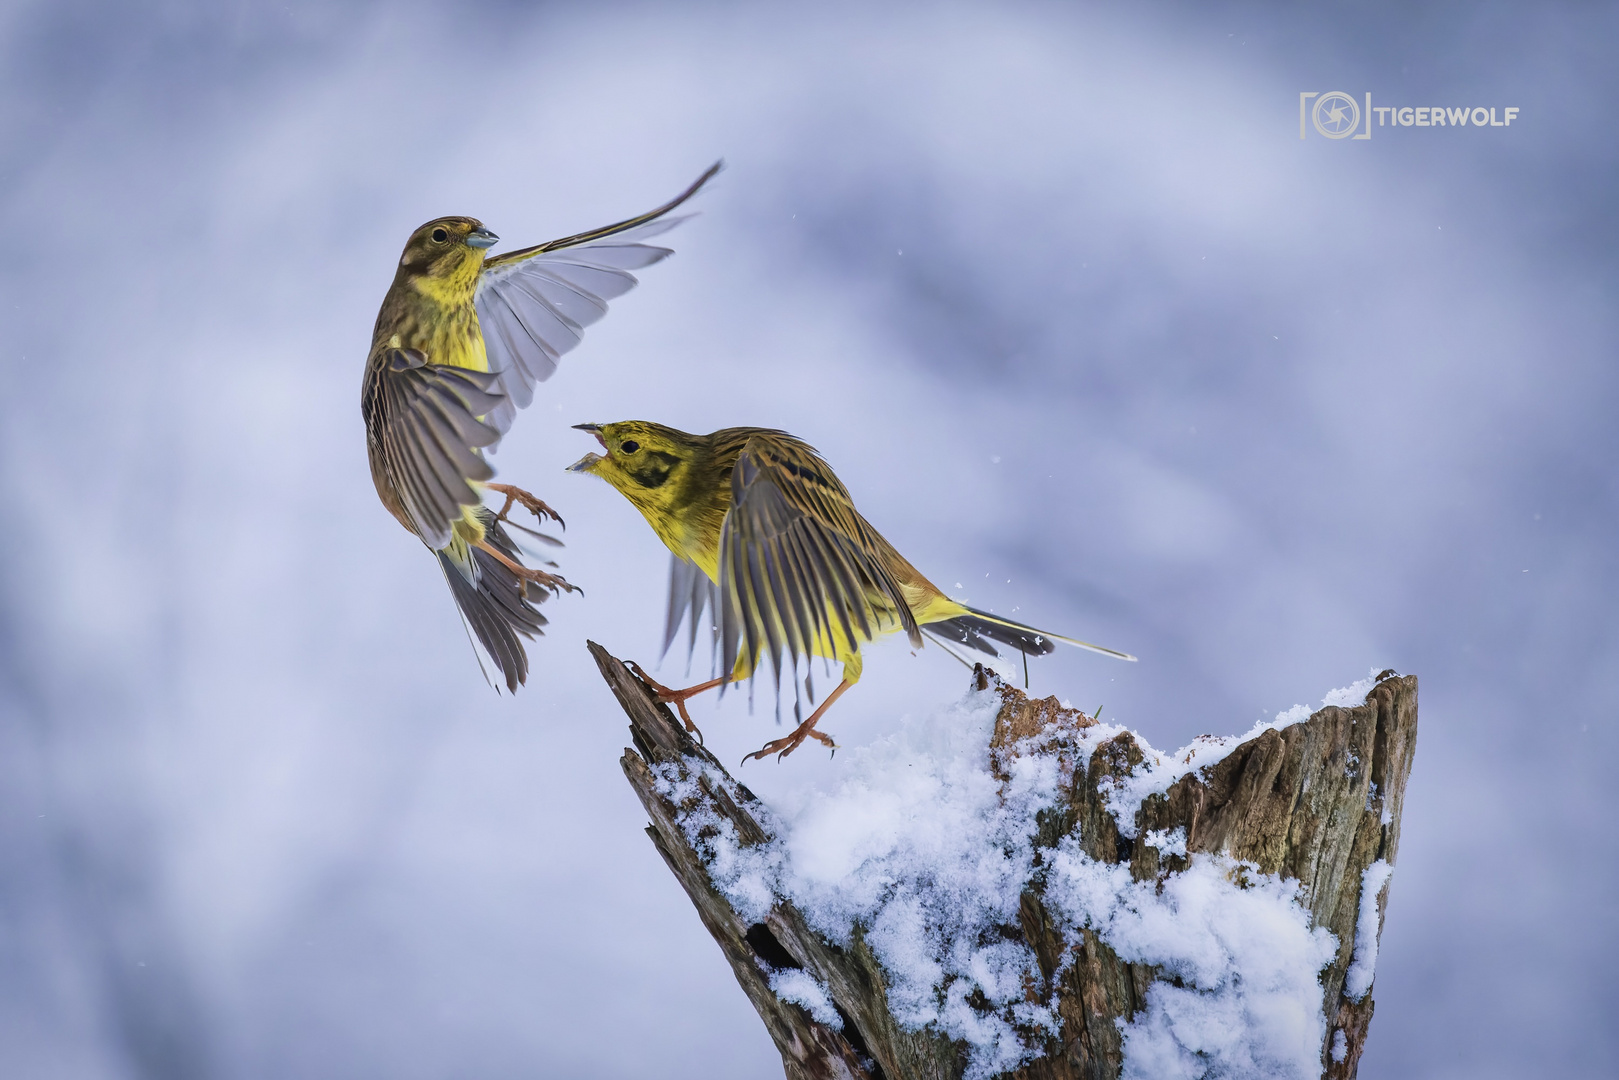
[585, 464]
[594, 429]
[481, 238]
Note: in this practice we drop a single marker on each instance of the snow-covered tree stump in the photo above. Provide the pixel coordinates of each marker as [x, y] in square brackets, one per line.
[1084, 906]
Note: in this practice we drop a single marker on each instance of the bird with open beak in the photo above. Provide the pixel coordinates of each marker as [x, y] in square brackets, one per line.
[765, 537]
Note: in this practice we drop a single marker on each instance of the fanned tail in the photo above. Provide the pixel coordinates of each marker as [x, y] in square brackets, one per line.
[978, 629]
[497, 605]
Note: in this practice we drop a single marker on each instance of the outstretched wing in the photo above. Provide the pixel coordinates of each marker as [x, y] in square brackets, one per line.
[423, 424]
[799, 570]
[534, 304]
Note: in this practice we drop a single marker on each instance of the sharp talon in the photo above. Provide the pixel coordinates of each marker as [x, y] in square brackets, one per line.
[788, 743]
[535, 506]
[554, 582]
[658, 689]
[677, 698]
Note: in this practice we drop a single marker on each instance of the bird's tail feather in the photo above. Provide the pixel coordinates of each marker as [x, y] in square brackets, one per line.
[494, 601]
[978, 629]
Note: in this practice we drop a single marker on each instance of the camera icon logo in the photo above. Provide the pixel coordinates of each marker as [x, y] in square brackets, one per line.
[1336, 115]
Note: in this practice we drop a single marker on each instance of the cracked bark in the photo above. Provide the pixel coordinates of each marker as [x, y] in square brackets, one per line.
[1308, 802]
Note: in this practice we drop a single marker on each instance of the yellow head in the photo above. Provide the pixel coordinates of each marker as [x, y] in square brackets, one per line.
[667, 475]
[445, 256]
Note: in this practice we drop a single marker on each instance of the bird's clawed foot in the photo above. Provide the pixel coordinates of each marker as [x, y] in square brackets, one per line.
[535, 506]
[677, 698]
[784, 746]
[787, 744]
[554, 582]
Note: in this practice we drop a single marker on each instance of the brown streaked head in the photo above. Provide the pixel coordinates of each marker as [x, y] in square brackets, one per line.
[444, 245]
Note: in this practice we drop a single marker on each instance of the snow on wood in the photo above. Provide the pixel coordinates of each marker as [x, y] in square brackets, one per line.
[1011, 888]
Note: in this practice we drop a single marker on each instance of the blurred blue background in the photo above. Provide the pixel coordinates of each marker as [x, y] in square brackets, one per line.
[1091, 334]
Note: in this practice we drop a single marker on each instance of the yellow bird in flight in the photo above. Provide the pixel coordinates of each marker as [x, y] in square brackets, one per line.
[459, 344]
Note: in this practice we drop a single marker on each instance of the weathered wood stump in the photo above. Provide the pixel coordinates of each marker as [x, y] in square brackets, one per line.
[1317, 802]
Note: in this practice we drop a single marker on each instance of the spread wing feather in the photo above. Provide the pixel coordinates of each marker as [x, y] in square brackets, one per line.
[425, 420]
[691, 594]
[799, 568]
[534, 304]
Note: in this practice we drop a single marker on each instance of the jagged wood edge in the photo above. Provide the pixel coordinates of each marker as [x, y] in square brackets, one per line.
[810, 1050]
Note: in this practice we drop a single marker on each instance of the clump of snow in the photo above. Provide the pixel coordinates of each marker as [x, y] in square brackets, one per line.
[1239, 942]
[1168, 841]
[1354, 694]
[923, 852]
[1363, 966]
[1340, 1046]
[744, 875]
[919, 848]
[802, 988]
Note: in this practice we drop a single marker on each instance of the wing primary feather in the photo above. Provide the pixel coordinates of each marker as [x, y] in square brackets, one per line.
[818, 605]
[453, 434]
[763, 607]
[621, 258]
[429, 438]
[516, 354]
[902, 610]
[594, 307]
[781, 608]
[832, 591]
[430, 468]
[573, 326]
[679, 598]
[705, 601]
[730, 623]
[431, 524]
[850, 593]
[753, 630]
[687, 599]
[696, 603]
[796, 592]
[630, 223]
[560, 295]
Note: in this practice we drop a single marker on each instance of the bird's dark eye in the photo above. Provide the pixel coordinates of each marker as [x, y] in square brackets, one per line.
[629, 446]
[439, 236]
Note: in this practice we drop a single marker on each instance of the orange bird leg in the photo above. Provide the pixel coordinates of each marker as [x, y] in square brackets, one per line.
[534, 506]
[677, 698]
[789, 743]
[539, 577]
